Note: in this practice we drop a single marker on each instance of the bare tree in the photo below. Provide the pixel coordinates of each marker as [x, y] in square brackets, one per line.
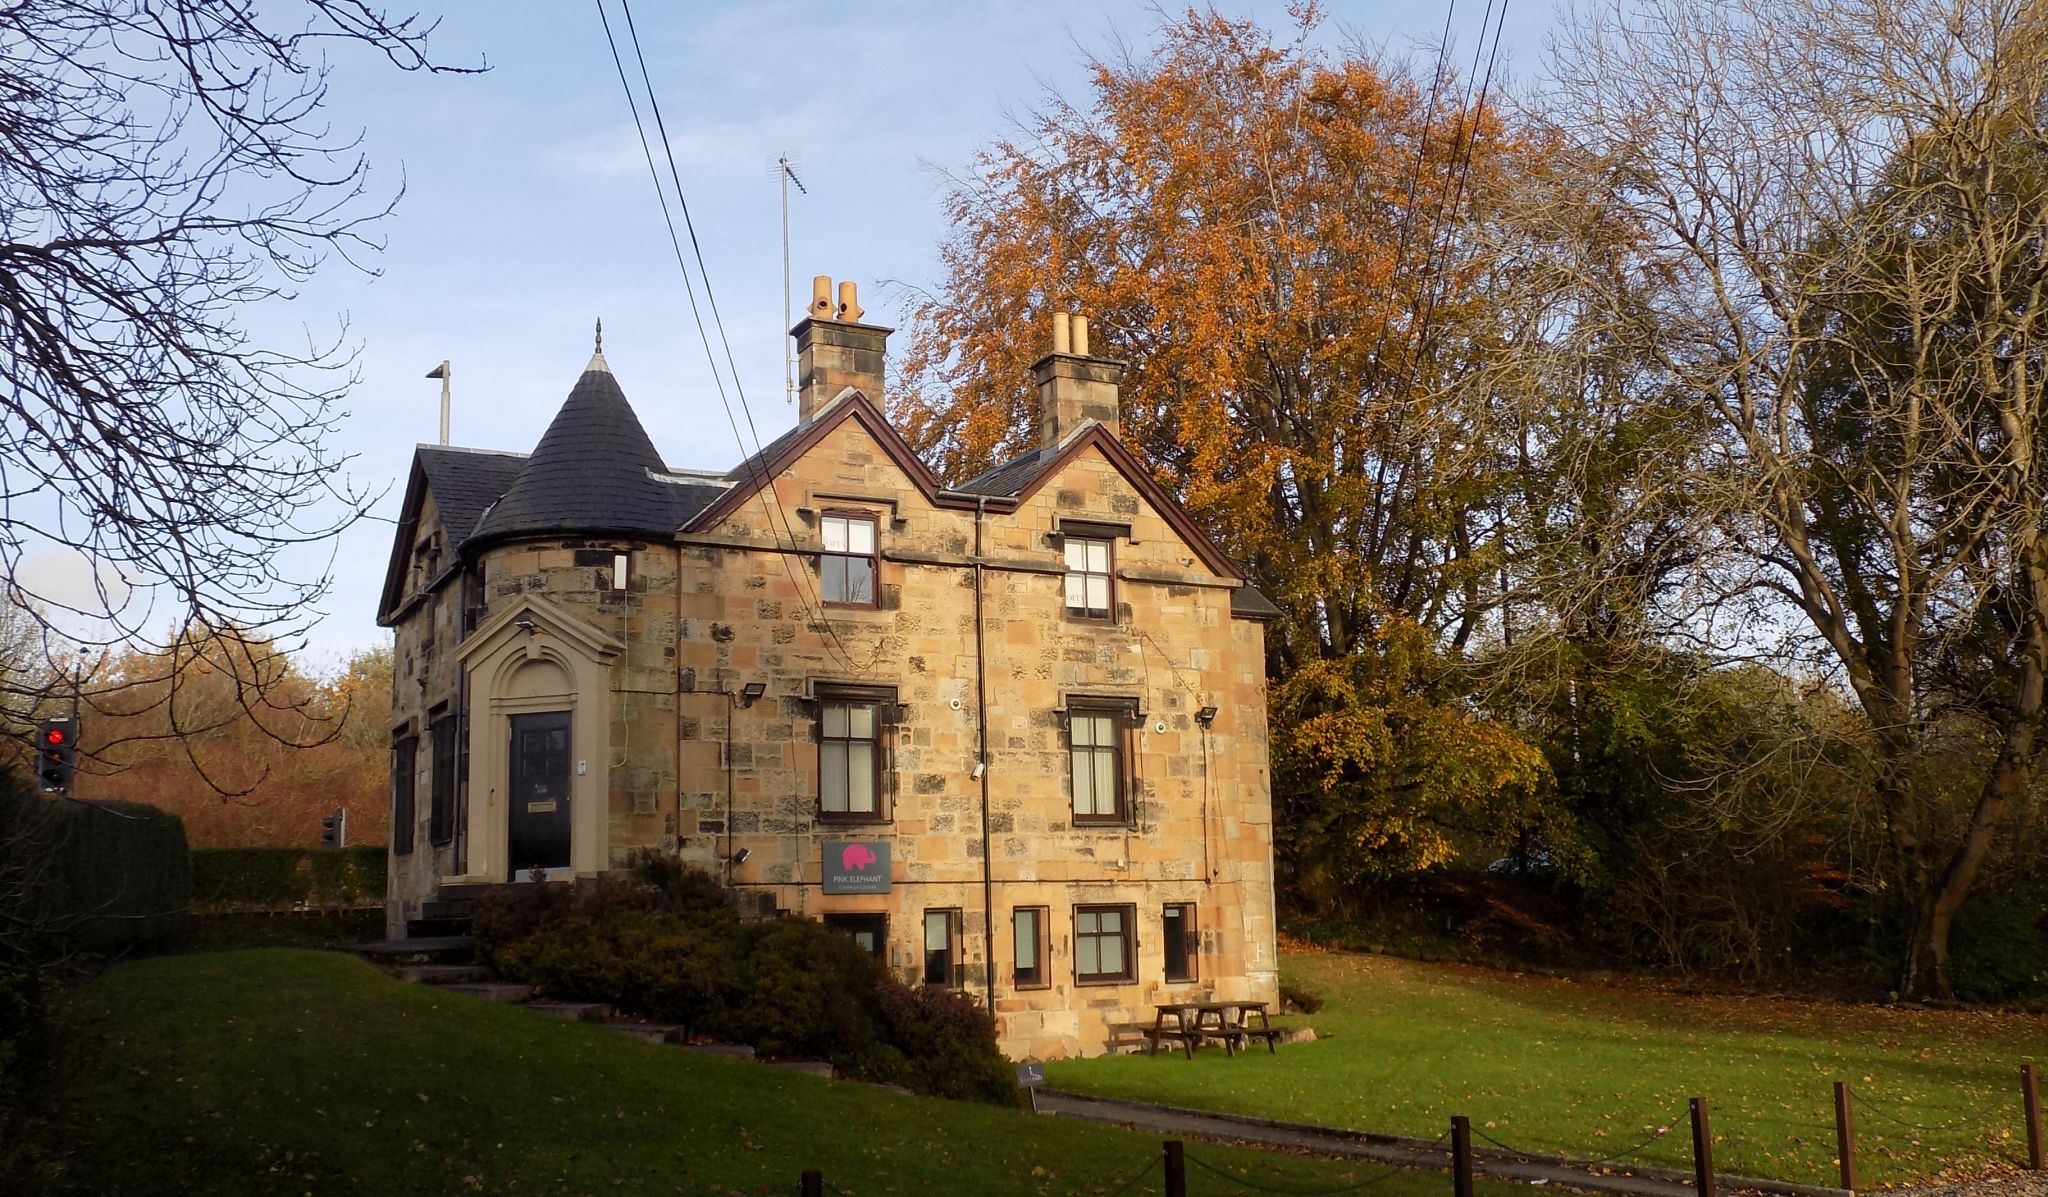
[1820, 226]
[164, 166]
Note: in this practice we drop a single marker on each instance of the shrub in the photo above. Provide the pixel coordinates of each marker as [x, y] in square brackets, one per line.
[663, 943]
[99, 878]
[1998, 952]
[284, 878]
[809, 991]
[1300, 997]
[946, 1042]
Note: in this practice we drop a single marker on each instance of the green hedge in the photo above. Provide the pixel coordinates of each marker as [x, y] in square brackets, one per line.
[287, 878]
[102, 877]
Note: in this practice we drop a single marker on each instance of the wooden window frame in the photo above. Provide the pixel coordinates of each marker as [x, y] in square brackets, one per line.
[1190, 944]
[873, 557]
[405, 749]
[443, 755]
[1085, 614]
[1041, 944]
[1128, 914]
[882, 702]
[1122, 714]
[955, 972]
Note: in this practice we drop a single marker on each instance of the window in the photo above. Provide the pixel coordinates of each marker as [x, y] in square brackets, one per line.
[847, 568]
[1102, 944]
[1177, 923]
[622, 572]
[404, 753]
[1095, 740]
[1088, 591]
[441, 799]
[870, 931]
[850, 759]
[942, 948]
[1028, 926]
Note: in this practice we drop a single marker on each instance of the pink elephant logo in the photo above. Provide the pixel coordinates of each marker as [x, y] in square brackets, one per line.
[856, 858]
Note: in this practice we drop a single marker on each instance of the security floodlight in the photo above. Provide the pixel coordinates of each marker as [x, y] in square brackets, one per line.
[1205, 716]
[751, 693]
[740, 857]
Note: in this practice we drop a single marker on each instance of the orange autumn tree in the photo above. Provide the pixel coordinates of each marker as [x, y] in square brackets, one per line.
[227, 732]
[1278, 241]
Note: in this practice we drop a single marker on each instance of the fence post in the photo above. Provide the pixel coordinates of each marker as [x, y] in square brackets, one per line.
[2032, 1093]
[1176, 1170]
[1702, 1149]
[1845, 1134]
[813, 1184]
[1461, 1155]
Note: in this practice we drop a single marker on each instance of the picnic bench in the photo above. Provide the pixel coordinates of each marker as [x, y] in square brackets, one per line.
[1191, 1024]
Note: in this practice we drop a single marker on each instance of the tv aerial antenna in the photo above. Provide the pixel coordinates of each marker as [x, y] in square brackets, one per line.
[784, 170]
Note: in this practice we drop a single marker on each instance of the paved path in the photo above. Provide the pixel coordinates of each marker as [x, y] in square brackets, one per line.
[1177, 1122]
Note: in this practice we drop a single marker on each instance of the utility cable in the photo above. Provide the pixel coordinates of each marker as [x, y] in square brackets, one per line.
[805, 589]
[718, 322]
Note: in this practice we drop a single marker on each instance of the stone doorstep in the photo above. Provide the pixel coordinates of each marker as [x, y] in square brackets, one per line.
[441, 949]
[738, 1051]
[494, 991]
[652, 1032]
[442, 974]
[573, 1011]
[809, 1067]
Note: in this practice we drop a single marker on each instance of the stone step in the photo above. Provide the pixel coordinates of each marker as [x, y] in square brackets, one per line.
[437, 926]
[433, 949]
[443, 974]
[652, 1032]
[738, 1051]
[494, 991]
[575, 1011]
[812, 1067]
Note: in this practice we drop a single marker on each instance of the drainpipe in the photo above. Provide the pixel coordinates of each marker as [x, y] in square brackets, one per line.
[988, 900]
[731, 709]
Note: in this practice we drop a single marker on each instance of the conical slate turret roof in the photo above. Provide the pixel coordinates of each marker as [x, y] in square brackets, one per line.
[592, 473]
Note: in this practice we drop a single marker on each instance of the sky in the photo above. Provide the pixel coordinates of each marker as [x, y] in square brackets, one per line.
[528, 213]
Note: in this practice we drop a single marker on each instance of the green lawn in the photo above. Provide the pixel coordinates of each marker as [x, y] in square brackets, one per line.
[1556, 1067]
[293, 1072]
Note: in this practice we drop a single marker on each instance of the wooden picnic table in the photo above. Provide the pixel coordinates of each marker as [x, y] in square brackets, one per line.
[1193, 1022]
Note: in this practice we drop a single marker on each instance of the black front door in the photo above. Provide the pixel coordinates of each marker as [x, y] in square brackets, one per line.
[540, 793]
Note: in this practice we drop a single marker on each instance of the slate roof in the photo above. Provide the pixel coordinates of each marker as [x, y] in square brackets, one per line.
[465, 481]
[595, 471]
[1010, 477]
[1247, 602]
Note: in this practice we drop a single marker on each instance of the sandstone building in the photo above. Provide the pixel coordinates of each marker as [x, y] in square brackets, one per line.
[1010, 735]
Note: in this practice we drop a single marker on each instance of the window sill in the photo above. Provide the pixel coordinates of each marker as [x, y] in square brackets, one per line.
[1100, 982]
[842, 819]
[1104, 824]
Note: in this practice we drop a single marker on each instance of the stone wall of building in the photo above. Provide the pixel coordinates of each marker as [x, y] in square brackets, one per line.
[1201, 831]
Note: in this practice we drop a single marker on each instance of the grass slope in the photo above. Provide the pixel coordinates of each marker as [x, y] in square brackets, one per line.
[293, 1072]
[1556, 1067]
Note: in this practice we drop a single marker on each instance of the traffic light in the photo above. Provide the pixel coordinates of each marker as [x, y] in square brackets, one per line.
[334, 829]
[57, 755]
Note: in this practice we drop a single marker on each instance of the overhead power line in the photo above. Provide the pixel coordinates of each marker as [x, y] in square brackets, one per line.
[806, 588]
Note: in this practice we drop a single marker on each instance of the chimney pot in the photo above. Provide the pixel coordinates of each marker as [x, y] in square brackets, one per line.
[835, 351]
[1072, 386]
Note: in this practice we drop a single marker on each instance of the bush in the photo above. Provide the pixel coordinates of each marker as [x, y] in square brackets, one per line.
[287, 878]
[1997, 951]
[663, 943]
[99, 878]
[1299, 997]
[947, 1044]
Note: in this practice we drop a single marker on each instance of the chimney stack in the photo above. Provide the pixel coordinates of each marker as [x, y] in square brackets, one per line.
[835, 351]
[1073, 386]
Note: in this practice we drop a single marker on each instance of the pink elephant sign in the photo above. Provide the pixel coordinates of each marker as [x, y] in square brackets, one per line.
[855, 866]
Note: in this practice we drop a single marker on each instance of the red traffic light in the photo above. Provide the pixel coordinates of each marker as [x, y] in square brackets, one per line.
[56, 736]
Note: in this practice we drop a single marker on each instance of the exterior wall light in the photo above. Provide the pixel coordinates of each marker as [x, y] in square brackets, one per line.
[751, 693]
[1205, 716]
